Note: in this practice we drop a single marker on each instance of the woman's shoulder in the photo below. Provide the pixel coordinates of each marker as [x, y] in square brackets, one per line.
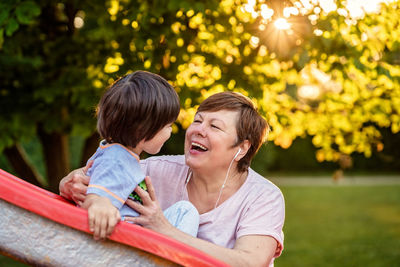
[175, 163]
[257, 179]
[261, 185]
[163, 169]
[166, 159]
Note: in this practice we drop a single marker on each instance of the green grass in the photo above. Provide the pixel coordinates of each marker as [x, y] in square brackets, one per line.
[338, 226]
[9, 262]
[341, 226]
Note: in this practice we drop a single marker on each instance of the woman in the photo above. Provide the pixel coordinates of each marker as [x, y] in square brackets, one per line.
[241, 213]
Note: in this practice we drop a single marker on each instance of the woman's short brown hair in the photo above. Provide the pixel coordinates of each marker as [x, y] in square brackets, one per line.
[136, 107]
[250, 126]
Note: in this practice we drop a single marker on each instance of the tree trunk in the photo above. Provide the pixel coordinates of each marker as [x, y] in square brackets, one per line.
[90, 146]
[18, 159]
[56, 155]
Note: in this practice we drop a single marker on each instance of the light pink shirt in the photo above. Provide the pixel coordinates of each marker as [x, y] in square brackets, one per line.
[257, 208]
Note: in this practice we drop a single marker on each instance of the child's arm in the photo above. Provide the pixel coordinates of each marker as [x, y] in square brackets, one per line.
[103, 216]
[113, 177]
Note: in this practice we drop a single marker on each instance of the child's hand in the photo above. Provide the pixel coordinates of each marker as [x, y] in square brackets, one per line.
[103, 216]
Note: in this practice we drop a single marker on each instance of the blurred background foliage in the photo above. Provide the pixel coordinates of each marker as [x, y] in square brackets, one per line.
[325, 74]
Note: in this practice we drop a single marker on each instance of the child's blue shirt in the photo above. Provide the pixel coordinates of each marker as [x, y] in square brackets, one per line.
[115, 174]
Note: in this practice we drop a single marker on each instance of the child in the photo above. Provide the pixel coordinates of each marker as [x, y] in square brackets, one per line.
[134, 115]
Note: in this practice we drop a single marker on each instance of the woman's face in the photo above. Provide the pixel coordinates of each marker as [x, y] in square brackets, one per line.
[209, 140]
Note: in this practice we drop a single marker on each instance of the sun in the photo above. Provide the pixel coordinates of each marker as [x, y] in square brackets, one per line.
[282, 24]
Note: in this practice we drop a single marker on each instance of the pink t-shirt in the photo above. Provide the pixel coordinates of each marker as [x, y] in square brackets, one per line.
[257, 208]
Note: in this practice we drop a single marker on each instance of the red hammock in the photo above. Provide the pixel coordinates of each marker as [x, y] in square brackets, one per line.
[33, 229]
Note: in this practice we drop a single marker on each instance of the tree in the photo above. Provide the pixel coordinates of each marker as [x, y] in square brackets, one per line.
[315, 70]
[50, 79]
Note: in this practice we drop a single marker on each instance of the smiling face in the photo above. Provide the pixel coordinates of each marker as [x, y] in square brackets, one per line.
[210, 139]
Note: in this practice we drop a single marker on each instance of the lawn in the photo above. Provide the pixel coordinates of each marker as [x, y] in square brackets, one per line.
[341, 226]
[338, 226]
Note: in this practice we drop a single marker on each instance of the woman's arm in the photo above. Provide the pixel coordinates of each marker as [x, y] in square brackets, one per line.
[249, 250]
[74, 185]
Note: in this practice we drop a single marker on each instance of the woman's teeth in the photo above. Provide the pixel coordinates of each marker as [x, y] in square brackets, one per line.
[198, 146]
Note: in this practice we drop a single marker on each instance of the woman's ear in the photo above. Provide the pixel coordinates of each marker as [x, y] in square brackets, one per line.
[244, 147]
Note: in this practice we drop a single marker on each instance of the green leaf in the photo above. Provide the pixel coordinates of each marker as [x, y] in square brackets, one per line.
[1, 38]
[4, 13]
[11, 27]
[26, 12]
[173, 5]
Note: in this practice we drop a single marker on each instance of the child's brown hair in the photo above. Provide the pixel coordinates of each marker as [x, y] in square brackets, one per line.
[135, 108]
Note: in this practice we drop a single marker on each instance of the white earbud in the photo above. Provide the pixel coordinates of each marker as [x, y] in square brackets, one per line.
[237, 153]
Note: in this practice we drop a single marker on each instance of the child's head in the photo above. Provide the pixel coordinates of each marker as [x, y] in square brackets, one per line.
[136, 107]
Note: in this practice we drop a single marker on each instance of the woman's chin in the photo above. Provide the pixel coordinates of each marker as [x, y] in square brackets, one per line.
[193, 160]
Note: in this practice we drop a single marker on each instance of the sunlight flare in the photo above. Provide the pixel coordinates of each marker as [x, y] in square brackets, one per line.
[282, 24]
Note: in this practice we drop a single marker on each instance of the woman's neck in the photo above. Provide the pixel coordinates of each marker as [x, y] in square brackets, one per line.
[210, 181]
[207, 190]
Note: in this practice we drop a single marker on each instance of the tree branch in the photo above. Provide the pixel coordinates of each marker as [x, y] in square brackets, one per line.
[18, 159]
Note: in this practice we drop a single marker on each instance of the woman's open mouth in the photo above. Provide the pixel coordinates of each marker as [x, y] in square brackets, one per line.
[198, 147]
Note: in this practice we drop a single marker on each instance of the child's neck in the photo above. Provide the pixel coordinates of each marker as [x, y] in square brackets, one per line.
[135, 150]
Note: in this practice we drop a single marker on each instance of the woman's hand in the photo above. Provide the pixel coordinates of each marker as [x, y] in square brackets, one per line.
[151, 215]
[74, 185]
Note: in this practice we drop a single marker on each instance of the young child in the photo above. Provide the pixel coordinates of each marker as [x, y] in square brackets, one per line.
[134, 115]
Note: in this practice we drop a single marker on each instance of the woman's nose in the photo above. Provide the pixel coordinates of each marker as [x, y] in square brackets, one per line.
[200, 130]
